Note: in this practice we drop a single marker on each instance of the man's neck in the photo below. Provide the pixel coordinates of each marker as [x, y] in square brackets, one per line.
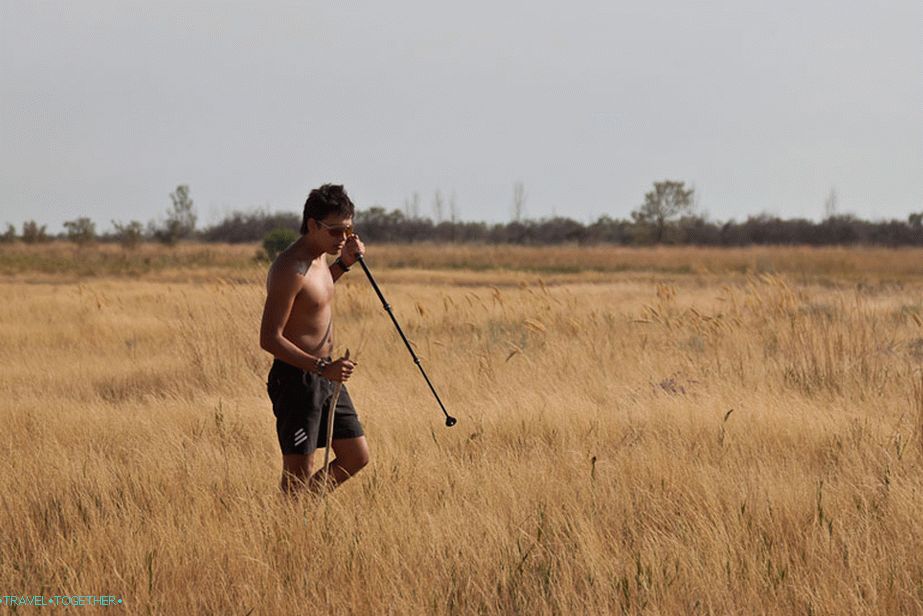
[305, 249]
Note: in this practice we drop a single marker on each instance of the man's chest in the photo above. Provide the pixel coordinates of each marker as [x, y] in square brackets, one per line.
[315, 293]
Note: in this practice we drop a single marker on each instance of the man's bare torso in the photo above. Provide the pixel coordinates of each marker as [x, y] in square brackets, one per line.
[310, 323]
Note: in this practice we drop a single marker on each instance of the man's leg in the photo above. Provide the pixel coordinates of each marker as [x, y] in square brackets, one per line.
[352, 454]
[296, 471]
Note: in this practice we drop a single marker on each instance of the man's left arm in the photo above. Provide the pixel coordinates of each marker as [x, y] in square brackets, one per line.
[350, 253]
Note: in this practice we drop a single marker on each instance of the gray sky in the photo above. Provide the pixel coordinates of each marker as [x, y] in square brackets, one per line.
[764, 106]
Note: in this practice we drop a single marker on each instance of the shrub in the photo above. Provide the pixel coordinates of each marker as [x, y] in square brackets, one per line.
[80, 231]
[278, 240]
[33, 233]
[129, 234]
[9, 236]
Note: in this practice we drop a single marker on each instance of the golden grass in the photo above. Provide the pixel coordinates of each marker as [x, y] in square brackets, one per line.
[190, 261]
[627, 443]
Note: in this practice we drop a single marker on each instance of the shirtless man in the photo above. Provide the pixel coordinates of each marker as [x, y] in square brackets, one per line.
[297, 328]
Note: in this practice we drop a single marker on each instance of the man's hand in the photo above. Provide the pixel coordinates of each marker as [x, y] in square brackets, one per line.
[339, 371]
[352, 250]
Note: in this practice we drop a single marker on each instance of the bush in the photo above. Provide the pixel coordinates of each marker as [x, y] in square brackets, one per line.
[9, 236]
[129, 234]
[33, 233]
[80, 231]
[250, 226]
[278, 240]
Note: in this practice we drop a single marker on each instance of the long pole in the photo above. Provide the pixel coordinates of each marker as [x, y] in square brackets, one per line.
[449, 420]
[331, 413]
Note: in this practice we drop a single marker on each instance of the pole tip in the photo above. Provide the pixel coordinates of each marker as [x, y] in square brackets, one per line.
[450, 421]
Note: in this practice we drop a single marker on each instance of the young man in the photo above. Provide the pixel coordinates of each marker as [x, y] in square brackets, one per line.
[297, 328]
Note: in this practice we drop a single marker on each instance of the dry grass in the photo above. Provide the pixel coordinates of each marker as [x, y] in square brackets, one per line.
[627, 443]
[825, 265]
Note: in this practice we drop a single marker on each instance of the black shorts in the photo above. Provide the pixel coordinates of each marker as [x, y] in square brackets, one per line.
[300, 401]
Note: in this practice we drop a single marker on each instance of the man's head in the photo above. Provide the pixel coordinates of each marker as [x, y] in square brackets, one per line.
[328, 213]
[330, 200]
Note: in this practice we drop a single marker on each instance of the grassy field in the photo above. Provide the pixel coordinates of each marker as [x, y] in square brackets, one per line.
[825, 265]
[657, 431]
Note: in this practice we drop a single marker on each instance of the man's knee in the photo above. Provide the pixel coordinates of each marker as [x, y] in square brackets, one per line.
[297, 466]
[360, 461]
[354, 458]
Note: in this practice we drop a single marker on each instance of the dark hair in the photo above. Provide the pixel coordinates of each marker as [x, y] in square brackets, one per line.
[326, 200]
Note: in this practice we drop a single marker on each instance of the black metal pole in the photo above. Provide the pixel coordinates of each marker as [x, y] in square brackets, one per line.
[449, 420]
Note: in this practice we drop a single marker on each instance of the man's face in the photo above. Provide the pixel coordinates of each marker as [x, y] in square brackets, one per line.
[332, 232]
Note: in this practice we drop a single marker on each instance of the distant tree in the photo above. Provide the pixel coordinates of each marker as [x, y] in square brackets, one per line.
[32, 233]
[251, 226]
[9, 235]
[514, 233]
[609, 230]
[181, 218]
[81, 231]
[379, 225]
[695, 229]
[915, 220]
[129, 234]
[519, 201]
[558, 230]
[453, 208]
[831, 204]
[278, 240]
[438, 207]
[412, 206]
[666, 202]
[840, 229]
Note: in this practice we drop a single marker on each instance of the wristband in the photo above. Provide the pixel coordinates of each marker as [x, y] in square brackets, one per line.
[339, 261]
[320, 366]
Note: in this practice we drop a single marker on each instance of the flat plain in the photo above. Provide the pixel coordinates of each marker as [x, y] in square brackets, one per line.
[657, 431]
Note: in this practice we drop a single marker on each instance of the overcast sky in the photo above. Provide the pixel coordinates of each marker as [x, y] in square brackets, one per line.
[764, 106]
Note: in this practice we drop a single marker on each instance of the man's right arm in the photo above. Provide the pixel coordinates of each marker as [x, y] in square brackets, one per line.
[281, 288]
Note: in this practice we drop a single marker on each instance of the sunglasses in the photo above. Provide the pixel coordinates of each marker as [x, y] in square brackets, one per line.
[338, 230]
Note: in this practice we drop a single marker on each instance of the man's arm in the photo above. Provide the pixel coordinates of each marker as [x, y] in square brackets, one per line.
[281, 288]
[336, 270]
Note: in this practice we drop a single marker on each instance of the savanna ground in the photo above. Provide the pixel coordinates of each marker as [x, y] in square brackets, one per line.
[662, 431]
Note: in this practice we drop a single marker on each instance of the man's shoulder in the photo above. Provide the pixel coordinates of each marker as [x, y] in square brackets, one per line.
[287, 264]
[286, 271]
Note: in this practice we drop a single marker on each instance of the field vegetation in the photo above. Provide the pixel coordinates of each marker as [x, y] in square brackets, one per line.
[196, 261]
[662, 431]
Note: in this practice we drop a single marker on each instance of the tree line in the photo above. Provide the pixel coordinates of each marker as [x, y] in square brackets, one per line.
[666, 216]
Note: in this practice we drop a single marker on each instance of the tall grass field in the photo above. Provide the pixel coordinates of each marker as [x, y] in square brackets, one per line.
[640, 431]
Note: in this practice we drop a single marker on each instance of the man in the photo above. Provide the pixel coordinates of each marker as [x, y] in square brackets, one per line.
[297, 328]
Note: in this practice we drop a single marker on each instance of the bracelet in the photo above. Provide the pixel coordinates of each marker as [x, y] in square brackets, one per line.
[339, 261]
[320, 365]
